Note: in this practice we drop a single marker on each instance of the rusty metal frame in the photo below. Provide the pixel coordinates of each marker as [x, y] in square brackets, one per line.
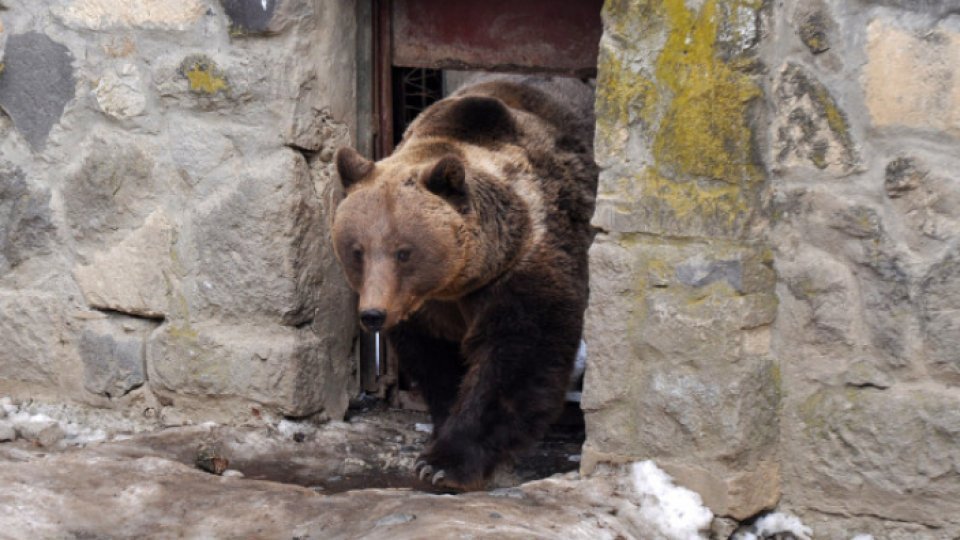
[382, 77]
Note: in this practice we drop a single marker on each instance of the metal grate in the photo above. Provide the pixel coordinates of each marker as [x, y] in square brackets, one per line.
[414, 89]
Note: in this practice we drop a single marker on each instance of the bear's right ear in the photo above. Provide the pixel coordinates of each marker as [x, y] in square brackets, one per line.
[448, 179]
[351, 166]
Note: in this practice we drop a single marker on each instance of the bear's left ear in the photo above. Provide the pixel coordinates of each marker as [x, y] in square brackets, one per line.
[351, 166]
[448, 179]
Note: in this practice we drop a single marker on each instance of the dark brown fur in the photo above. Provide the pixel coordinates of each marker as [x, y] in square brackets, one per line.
[472, 241]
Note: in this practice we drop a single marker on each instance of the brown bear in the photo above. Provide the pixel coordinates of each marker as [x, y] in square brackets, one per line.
[468, 247]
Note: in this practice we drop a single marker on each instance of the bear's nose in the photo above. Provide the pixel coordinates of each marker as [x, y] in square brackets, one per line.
[373, 319]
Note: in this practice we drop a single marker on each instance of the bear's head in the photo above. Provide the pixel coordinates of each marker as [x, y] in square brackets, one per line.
[401, 233]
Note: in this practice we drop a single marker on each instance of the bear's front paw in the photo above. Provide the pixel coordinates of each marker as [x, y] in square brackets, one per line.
[453, 467]
[426, 473]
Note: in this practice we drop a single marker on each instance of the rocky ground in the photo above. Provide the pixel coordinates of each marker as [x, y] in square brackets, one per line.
[76, 473]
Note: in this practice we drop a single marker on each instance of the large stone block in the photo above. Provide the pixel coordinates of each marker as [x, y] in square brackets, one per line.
[291, 370]
[674, 130]
[113, 352]
[911, 78]
[889, 453]
[679, 367]
[36, 83]
[261, 248]
[31, 332]
[26, 222]
[134, 276]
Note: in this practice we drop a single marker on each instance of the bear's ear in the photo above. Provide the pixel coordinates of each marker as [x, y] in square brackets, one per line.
[351, 166]
[473, 119]
[448, 179]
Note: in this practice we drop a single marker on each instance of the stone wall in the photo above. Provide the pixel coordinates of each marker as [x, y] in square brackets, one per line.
[165, 189]
[775, 312]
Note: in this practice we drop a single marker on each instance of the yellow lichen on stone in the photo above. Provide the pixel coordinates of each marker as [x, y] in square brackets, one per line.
[694, 200]
[622, 94]
[705, 131]
[629, 18]
[620, 90]
[205, 79]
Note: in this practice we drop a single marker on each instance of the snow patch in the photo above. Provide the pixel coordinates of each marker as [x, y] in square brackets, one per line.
[775, 523]
[678, 512]
[80, 426]
[423, 428]
[863, 537]
[291, 429]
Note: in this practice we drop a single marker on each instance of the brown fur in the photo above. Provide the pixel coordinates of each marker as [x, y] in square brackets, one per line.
[472, 240]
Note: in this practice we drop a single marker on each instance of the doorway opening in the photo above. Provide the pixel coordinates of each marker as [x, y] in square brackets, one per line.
[419, 52]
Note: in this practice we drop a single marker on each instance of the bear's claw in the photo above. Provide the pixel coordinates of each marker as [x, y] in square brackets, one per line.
[425, 472]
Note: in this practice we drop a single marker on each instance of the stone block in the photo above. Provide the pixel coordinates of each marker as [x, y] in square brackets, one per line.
[676, 163]
[198, 148]
[926, 199]
[828, 289]
[940, 301]
[31, 331]
[128, 14]
[219, 82]
[815, 26]
[133, 276]
[291, 370]
[112, 188]
[810, 127]
[113, 352]
[249, 16]
[120, 92]
[261, 247]
[26, 222]
[889, 453]
[36, 84]
[673, 372]
[911, 79]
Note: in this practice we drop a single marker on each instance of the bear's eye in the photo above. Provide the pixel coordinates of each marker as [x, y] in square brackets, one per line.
[358, 255]
[403, 255]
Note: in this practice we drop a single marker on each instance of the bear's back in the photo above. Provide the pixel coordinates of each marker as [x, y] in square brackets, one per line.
[563, 102]
[538, 132]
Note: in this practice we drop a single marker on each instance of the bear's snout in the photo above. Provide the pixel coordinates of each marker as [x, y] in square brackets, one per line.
[373, 319]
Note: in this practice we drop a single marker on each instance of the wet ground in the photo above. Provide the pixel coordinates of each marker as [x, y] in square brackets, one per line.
[288, 479]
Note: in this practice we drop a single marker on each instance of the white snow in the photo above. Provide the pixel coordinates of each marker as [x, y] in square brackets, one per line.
[81, 426]
[678, 512]
[423, 428]
[863, 537]
[776, 522]
[288, 428]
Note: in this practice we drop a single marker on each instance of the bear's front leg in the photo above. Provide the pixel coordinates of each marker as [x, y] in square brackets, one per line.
[520, 349]
[433, 363]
